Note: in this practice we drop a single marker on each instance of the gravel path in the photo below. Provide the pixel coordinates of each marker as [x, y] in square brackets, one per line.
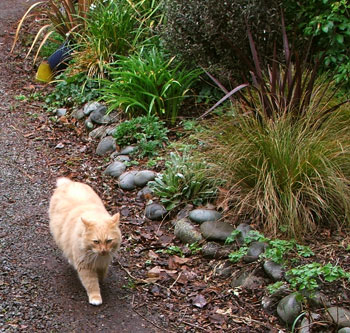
[39, 292]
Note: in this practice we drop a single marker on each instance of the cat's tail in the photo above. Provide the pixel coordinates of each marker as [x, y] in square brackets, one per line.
[62, 180]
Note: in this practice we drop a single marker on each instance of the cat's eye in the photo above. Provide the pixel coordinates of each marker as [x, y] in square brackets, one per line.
[96, 241]
[108, 241]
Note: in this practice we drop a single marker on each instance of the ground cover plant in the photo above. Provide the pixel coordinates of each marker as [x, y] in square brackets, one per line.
[147, 132]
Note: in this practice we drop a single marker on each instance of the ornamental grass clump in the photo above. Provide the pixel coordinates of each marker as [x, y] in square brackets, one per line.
[148, 83]
[285, 154]
[291, 174]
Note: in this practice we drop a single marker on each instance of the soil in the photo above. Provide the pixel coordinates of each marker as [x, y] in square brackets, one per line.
[40, 292]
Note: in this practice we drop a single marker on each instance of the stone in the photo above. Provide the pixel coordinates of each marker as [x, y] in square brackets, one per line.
[273, 270]
[99, 116]
[339, 315]
[269, 302]
[216, 230]
[307, 322]
[224, 270]
[155, 212]
[110, 130]
[254, 251]
[106, 145]
[90, 107]
[186, 232]
[145, 193]
[115, 169]
[344, 330]
[126, 181]
[78, 114]
[288, 308]
[143, 177]
[89, 125]
[244, 231]
[213, 250]
[248, 281]
[128, 150]
[203, 215]
[121, 158]
[316, 299]
[97, 133]
[61, 112]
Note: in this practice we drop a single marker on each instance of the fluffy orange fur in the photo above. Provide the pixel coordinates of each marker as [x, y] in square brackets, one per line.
[85, 232]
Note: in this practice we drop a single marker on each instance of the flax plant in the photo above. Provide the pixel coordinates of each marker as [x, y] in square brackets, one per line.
[148, 83]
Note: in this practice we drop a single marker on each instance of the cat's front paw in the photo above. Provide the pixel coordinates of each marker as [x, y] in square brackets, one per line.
[95, 300]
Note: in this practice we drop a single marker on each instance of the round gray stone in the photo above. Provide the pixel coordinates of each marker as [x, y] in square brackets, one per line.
[121, 158]
[89, 125]
[78, 114]
[244, 231]
[106, 146]
[254, 251]
[126, 181]
[289, 308]
[214, 250]
[155, 212]
[128, 150]
[143, 177]
[186, 232]
[274, 271]
[97, 133]
[216, 230]
[145, 193]
[91, 106]
[339, 315]
[204, 215]
[99, 116]
[115, 169]
[61, 112]
[344, 330]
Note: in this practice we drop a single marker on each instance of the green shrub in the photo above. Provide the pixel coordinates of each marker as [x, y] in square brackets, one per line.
[148, 83]
[328, 23]
[212, 32]
[147, 132]
[183, 181]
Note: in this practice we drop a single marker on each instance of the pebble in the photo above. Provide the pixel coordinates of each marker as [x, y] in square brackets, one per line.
[155, 212]
[106, 145]
[186, 232]
[216, 230]
[204, 215]
[115, 169]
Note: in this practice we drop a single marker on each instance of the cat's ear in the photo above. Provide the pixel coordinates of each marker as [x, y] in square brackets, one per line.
[116, 219]
[86, 223]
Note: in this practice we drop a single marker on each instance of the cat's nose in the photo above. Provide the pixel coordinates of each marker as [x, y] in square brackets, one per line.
[104, 252]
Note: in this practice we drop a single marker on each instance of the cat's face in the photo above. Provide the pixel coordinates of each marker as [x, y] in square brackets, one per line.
[103, 238]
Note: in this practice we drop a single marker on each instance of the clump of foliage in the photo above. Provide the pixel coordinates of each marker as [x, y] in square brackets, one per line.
[184, 181]
[148, 83]
[284, 154]
[147, 132]
[72, 90]
[212, 32]
[276, 251]
[328, 23]
[112, 28]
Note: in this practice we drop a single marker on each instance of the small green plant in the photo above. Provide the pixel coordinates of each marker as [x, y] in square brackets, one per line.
[72, 90]
[274, 287]
[307, 277]
[195, 248]
[173, 249]
[148, 83]
[147, 132]
[276, 251]
[184, 181]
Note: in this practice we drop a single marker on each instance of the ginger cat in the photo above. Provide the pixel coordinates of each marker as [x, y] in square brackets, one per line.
[85, 232]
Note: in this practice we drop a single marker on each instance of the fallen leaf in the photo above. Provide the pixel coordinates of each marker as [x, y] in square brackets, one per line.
[154, 272]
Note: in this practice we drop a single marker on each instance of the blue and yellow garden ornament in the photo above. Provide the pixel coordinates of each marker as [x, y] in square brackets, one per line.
[55, 63]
